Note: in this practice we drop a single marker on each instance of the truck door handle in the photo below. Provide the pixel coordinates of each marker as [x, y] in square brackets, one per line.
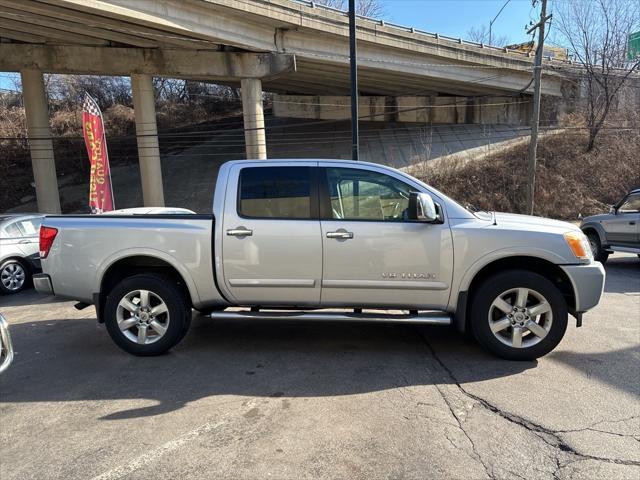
[239, 232]
[632, 222]
[22, 242]
[340, 234]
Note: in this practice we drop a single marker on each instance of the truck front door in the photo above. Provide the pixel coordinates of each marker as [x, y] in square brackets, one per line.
[271, 246]
[373, 254]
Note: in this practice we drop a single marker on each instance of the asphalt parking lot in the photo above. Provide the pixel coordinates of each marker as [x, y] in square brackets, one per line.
[289, 400]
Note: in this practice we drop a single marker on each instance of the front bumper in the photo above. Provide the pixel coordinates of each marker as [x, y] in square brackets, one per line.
[588, 284]
[42, 284]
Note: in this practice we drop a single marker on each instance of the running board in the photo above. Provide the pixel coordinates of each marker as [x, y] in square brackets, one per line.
[615, 248]
[424, 318]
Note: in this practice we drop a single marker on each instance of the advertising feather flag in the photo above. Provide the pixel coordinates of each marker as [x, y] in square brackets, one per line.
[100, 188]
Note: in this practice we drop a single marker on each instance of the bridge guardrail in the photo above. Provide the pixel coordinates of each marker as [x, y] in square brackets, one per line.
[437, 36]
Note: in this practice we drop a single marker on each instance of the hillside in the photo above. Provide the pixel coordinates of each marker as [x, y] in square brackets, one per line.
[569, 180]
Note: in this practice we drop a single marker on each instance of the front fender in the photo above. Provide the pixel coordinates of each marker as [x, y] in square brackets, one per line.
[598, 228]
[464, 281]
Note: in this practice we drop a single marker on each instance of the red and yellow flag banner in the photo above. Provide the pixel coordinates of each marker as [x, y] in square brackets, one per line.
[100, 189]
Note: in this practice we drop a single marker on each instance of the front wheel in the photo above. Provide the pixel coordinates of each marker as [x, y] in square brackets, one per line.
[599, 254]
[147, 314]
[518, 315]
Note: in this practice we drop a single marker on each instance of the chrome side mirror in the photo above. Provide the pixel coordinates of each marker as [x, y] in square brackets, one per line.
[422, 208]
[6, 347]
[612, 210]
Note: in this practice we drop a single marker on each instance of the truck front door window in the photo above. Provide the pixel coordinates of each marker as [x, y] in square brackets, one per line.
[364, 195]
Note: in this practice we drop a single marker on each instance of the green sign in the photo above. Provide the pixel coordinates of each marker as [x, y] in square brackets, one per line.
[633, 50]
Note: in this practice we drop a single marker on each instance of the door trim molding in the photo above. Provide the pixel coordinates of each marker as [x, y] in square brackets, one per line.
[273, 282]
[385, 284]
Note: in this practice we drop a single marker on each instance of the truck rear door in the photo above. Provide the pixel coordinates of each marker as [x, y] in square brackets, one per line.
[271, 245]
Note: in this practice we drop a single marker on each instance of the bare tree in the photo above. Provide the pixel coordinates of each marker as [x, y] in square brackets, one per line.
[481, 35]
[69, 90]
[596, 34]
[366, 8]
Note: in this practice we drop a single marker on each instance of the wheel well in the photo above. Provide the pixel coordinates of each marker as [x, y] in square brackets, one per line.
[549, 270]
[25, 263]
[129, 266]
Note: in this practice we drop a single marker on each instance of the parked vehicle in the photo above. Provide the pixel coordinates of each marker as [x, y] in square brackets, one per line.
[19, 258]
[293, 238]
[6, 346]
[616, 231]
[149, 211]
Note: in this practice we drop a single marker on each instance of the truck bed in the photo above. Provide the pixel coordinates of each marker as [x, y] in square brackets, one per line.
[88, 245]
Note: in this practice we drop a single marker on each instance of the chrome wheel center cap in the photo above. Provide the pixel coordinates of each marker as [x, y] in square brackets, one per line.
[144, 316]
[519, 317]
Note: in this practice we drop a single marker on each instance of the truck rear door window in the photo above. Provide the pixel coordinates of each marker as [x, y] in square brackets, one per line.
[275, 192]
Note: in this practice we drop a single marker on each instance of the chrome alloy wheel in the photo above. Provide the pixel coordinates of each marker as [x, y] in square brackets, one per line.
[13, 276]
[142, 317]
[520, 317]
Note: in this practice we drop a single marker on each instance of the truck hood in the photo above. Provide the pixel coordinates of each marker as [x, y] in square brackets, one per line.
[529, 222]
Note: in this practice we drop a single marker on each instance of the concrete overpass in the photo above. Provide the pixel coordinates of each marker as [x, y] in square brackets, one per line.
[283, 46]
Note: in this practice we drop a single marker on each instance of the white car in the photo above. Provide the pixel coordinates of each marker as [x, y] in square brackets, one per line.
[151, 211]
[19, 258]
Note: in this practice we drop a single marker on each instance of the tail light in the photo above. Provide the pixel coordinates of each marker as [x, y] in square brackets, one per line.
[47, 236]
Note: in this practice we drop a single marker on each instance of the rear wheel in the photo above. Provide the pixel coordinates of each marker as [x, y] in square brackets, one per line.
[599, 254]
[13, 276]
[147, 314]
[518, 315]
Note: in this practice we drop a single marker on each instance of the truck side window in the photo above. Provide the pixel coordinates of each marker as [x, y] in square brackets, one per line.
[364, 195]
[275, 192]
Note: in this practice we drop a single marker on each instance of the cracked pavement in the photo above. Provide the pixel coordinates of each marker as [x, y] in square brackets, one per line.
[292, 400]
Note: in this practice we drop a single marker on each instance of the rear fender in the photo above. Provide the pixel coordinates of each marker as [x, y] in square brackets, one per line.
[150, 252]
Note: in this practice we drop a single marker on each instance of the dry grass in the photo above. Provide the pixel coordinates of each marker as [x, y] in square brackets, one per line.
[569, 180]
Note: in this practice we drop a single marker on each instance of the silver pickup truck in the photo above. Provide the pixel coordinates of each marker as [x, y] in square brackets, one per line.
[325, 240]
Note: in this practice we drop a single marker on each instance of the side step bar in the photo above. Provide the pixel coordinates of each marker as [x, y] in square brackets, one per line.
[615, 248]
[424, 318]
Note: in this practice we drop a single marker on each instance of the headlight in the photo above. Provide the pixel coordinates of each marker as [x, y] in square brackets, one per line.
[579, 245]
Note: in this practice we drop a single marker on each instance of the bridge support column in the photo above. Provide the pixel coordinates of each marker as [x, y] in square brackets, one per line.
[254, 136]
[144, 105]
[40, 144]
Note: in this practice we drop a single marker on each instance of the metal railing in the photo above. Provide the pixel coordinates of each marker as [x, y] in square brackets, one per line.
[436, 36]
[6, 347]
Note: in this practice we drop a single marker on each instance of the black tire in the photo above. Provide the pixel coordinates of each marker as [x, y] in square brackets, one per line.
[22, 267]
[166, 290]
[502, 282]
[599, 254]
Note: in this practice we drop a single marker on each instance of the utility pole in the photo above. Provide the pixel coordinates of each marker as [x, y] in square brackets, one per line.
[354, 80]
[535, 116]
